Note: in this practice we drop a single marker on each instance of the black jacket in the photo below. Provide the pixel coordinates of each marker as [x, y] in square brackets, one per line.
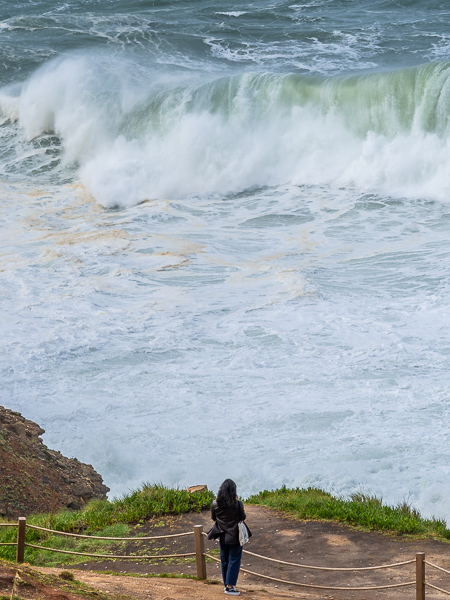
[226, 521]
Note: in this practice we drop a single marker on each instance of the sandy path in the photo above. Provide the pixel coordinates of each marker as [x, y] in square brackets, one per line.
[178, 589]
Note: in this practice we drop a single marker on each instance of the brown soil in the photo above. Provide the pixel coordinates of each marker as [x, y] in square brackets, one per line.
[275, 535]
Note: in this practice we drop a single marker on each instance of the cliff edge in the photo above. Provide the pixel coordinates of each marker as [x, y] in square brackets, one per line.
[34, 479]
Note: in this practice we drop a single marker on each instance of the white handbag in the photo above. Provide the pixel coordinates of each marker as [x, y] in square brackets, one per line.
[244, 536]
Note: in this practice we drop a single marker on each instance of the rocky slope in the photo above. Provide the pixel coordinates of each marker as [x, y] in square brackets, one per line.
[36, 479]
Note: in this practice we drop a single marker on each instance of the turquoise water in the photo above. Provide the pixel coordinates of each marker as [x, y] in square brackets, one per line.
[224, 240]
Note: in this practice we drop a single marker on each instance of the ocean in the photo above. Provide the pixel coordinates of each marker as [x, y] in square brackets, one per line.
[225, 241]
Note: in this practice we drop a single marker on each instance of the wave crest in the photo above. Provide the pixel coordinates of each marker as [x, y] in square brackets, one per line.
[137, 134]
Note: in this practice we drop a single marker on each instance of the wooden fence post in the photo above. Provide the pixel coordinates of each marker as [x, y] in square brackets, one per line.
[420, 576]
[20, 554]
[200, 551]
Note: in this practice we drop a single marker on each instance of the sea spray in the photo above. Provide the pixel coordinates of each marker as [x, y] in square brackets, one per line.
[135, 138]
[287, 277]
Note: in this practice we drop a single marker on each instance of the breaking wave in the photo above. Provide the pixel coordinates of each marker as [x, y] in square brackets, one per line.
[136, 134]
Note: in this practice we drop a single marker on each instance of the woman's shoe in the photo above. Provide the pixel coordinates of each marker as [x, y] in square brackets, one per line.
[232, 591]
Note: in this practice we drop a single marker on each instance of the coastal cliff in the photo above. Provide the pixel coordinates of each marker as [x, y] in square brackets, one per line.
[34, 478]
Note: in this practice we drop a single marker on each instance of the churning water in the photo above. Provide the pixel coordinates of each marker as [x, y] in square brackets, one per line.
[225, 240]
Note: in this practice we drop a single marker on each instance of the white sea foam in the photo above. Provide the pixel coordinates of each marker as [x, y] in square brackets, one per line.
[232, 13]
[136, 142]
[280, 299]
[324, 310]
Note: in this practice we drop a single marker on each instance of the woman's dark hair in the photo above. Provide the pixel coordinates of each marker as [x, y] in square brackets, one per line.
[226, 495]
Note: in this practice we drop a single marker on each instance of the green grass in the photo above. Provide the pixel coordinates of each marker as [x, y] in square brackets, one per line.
[101, 518]
[360, 510]
[116, 518]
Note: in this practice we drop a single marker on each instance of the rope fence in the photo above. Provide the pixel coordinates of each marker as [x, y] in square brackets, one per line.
[438, 589]
[282, 562]
[122, 557]
[96, 537]
[8, 525]
[310, 585]
[200, 556]
[436, 567]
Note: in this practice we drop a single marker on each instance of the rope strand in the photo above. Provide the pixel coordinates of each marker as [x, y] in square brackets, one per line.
[96, 537]
[321, 587]
[438, 589]
[143, 557]
[282, 562]
[436, 567]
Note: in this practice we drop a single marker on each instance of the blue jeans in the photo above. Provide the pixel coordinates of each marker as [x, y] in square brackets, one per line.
[230, 558]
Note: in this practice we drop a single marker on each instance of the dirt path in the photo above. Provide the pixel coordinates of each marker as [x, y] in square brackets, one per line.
[180, 589]
[279, 536]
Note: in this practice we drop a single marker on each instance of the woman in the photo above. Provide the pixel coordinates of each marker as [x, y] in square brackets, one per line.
[227, 510]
